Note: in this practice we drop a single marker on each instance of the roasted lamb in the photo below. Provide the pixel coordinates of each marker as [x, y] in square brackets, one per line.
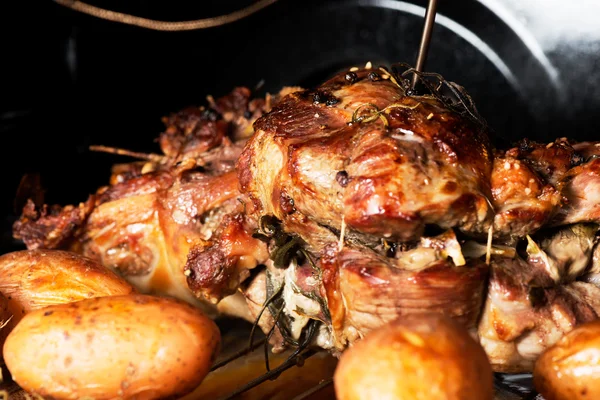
[325, 213]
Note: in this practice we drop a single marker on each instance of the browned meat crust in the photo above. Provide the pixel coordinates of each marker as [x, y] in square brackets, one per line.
[215, 269]
[536, 185]
[351, 178]
[365, 290]
[413, 165]
[195, 130]
[524, 315]
[152, 214]
[523, 202]
[533, 302]
[51, 226]
[551, 161]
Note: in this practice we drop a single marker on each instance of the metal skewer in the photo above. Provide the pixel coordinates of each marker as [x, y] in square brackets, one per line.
[425, 39]
[239, 354]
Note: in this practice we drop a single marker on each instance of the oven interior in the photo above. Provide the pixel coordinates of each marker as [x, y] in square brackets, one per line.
[72, 80]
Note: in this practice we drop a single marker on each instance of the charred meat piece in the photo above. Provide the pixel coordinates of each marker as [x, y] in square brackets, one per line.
[147, 235]
[215, 269]
[365, 290]
[551, 161]
[571, 169]
[581, 188]
[533, 302]
[194, 130]
[145, 223]
[523, 202]
[51, 227]
[363, 154]
[539, 185]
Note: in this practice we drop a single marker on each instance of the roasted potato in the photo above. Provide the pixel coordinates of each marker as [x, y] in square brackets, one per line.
[32, 279]
[570, 370]
[420, 357]
[133, 346]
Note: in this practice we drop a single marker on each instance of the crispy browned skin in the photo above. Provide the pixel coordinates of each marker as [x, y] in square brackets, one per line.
[51, 226]
[365, 290]
[147, 234]
[427, 166]
[152, 214]
[215, 269]
[523, 202]
[536, 185]
[193, 131]
[550, 160]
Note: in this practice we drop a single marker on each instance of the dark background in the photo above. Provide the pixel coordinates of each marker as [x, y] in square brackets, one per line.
[69, 80]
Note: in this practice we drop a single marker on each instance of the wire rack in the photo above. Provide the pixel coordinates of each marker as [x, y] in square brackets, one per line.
[297, 376]
[245, 371]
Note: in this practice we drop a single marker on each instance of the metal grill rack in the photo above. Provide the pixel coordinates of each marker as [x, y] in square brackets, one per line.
[507, 386]
[238, 353]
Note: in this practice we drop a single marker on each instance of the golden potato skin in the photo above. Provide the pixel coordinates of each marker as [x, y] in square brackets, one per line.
[570, 370]
[32, 279]
[39, 278]
[420, 357]
[129, 347]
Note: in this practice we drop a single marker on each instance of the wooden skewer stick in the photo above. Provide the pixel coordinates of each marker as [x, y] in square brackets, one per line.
[123, 152]
[425, 39]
